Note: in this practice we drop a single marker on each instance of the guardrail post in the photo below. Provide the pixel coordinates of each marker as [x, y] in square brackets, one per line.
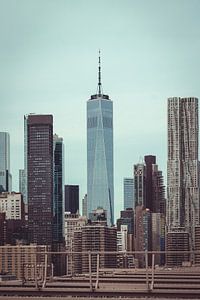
[153, 271]
[147, 275]
[97, 278]
[45, 271]
[90, 270]
[35, 272]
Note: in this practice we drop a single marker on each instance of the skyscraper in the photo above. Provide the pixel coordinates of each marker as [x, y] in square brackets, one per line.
[72, 198]
[148, 185]
[58, 214]
[100, 188]
[39, 138]
[140, 184]
[128, 193]
[183, 165]
[22, 184]
[150, 160]
[5, 176]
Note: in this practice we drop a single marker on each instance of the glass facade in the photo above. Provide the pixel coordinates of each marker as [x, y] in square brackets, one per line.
[5, 176]
[100, 154]
[128, 193]
[58, 153]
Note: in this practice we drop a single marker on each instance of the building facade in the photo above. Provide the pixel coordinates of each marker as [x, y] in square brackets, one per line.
[22, 184]
[72, 198]
[140, 184]
[84, 206]
[5, 176]
[12, 205]
[128, 193]
[39, 146]
[100, 189]
[96, 237]
[58, 154]
[21, 261]
[183, 167]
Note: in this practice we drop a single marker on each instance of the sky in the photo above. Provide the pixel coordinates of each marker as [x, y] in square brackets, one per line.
[49, 61]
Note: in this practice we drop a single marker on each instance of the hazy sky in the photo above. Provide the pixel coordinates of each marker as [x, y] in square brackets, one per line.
[48, 64]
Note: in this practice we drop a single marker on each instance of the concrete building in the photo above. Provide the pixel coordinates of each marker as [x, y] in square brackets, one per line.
[23, 261]
[100, 188]
[128, 193]
[183, 167]
[95, 238]
[158, 237]
[177, 242]
[197, 246]
[72, 222]
[12, 205]
[143, 233]
[5, 176]
[39, 171]
[126, 218]
[2, 228]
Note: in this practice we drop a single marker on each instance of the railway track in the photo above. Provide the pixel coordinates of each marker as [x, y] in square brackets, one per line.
[169, 284]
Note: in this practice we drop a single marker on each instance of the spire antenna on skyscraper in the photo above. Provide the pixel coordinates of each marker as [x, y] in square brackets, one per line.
[99, 75]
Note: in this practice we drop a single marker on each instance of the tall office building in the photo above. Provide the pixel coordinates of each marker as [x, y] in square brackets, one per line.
[100, 188]
[58, 189]
[5, 176]
[128, 193]
[72, 199]
[140, 184]
[22, 184]
[150, 160]
[39, 145]
[148, 185]
[183, 165]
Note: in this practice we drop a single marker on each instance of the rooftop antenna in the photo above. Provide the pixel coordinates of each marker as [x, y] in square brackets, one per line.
[99, 75]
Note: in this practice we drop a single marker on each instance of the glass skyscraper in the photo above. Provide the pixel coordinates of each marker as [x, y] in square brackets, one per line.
[128, 193]
[100, 152]
[5, 176]
[58, 155]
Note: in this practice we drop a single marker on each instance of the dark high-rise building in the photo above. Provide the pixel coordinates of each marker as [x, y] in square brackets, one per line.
[72, 198]
[58, 189]
[150, 160]
[126, 218]
[100, 188]
[39, 164]
[148, 185]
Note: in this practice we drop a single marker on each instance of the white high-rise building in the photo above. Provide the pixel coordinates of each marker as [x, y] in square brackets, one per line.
[183, 165]
[5, 176]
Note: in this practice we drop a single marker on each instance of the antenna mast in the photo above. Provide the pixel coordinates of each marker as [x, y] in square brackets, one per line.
[99, 75]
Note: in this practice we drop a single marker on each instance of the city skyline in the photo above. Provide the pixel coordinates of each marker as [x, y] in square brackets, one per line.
[49, 58]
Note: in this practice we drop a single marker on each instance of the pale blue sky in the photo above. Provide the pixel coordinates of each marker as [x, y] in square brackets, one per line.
[48, 64]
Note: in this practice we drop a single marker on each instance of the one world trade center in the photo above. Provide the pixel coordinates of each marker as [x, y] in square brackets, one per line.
[100, 152]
